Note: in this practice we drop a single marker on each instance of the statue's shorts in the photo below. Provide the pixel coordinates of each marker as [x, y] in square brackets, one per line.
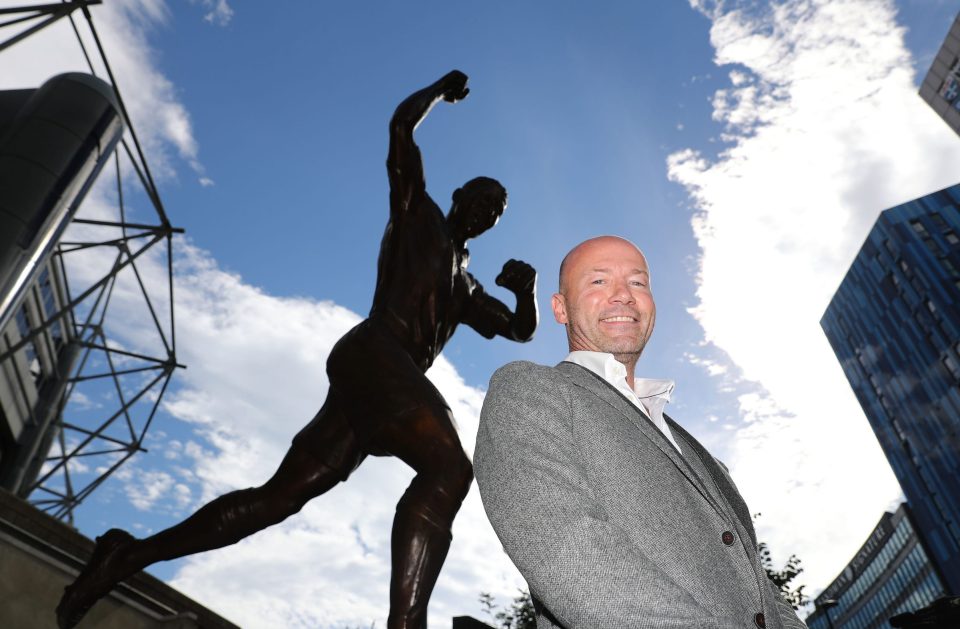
[378, 399]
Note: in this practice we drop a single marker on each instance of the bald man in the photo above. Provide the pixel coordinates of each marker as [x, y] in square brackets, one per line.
[614, 514]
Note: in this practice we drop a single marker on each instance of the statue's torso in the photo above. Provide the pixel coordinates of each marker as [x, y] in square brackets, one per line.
[422, 283]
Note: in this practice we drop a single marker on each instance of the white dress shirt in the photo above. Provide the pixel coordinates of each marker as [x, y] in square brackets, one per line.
[648, 395]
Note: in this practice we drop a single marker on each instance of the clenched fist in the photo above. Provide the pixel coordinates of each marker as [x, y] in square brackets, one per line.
[517, 276]
[454, 86]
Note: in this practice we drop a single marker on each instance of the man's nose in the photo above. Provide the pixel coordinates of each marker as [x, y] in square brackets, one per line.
[620, 292]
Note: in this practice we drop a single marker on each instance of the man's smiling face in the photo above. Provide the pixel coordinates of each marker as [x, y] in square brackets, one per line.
[605, 300]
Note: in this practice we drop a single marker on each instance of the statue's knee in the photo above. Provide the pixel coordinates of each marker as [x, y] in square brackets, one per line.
[454, 480]
[463, 477]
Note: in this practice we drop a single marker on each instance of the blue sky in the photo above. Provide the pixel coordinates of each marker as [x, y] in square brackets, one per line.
[746, 147]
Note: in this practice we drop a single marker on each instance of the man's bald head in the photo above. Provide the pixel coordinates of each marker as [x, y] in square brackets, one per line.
[605, 301]
[585, 247]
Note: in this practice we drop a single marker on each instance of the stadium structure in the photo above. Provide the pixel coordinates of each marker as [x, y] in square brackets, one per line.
[83, 234]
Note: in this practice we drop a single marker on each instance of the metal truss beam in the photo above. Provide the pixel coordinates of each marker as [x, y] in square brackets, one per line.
[52, 12]
[57, 470]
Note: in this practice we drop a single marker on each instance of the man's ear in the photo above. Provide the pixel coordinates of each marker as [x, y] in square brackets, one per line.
[456, 195]
[559, 306]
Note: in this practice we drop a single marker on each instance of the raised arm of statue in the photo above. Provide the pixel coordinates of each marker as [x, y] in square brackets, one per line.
[491, 317]
[521, 279]
[404, 163]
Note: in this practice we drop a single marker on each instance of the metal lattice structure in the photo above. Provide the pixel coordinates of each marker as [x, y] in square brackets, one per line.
[88, 409]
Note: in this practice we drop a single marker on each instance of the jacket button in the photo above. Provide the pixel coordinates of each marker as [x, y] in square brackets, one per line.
[727, 538]
[760, 620]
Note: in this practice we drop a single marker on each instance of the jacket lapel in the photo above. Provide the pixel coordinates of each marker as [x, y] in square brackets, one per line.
[720, 478]
[593, 383]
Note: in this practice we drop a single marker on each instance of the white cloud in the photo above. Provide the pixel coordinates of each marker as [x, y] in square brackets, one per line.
[712, 366]
[218, 12]
[147, 488]
[82, 401]
[824, 130]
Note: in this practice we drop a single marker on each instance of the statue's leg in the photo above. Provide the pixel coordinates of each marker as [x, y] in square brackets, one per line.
[424, 438]
[324, 453]
[395, 410]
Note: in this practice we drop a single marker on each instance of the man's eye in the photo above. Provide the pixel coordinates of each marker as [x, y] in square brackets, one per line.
[638, 283]
[597, 282]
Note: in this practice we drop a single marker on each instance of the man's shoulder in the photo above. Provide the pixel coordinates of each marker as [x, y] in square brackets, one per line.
[527, 389]
[524, 369]
[524, 378]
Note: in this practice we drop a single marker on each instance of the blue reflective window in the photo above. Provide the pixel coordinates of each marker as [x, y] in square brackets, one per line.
[25, 327]
[49, 301]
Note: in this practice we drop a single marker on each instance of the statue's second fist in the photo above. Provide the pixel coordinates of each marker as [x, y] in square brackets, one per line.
[454, 86]
[517, 276]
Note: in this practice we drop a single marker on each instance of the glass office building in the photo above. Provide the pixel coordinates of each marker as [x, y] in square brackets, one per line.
[941, 86]
[894, 324]
[889, 575]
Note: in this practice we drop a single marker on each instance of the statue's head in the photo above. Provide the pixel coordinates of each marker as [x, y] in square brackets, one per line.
[477, 207]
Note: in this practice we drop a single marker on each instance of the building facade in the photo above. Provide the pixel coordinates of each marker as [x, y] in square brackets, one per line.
[69, 390]
[894, 324]
[54, 141]
[40, 555]
[34, 378]
[890, 574]
[941, 87]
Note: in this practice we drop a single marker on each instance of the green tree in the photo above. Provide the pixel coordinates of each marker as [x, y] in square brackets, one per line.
[784, 577]
[519, 615]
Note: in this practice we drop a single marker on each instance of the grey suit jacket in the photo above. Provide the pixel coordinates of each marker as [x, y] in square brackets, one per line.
[608, 523]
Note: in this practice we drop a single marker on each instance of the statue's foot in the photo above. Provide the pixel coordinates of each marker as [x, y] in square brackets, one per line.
[96, 579]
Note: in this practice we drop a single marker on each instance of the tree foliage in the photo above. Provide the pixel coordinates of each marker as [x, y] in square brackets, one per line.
[519, 615]
[784, 577]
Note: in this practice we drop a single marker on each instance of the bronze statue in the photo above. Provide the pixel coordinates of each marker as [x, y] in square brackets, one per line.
[379, 402]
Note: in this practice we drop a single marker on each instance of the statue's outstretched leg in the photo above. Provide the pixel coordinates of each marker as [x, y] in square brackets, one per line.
[323, 454]
[427, 441]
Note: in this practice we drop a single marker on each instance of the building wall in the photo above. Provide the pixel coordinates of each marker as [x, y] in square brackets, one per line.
[469, 622]
[39, 556]
[890, 574]
[894, 325]
[941, 87]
